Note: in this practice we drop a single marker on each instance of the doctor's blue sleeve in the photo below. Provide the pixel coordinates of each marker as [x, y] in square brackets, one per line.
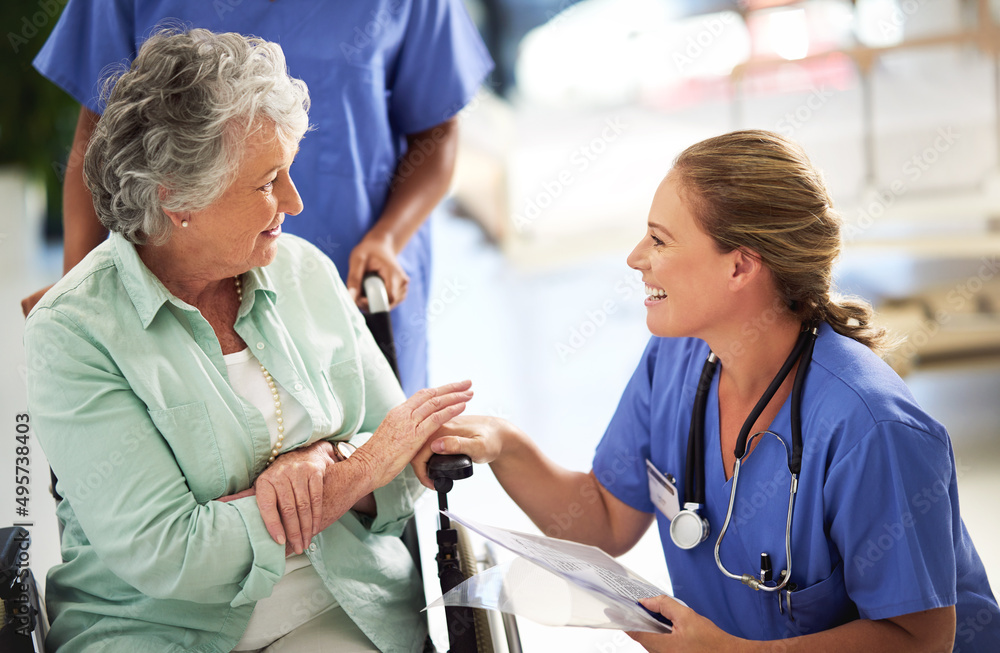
[892, 509]
[441, 64]
[90, 38]
[620, 459]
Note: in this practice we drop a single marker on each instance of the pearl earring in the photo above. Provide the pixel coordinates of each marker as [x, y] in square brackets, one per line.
[184, 223]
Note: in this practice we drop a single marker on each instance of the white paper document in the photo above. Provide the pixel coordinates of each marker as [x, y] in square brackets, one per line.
[557, 582]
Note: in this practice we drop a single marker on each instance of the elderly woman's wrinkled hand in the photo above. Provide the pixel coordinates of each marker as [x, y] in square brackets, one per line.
[406, 428]
[290, 494]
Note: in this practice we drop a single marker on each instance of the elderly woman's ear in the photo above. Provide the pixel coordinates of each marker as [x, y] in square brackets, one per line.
[177, 218]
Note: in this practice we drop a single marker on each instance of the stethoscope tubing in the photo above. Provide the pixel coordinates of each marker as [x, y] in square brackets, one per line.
[748, 579]
[694, 484]
[694, 481]
[772, 389]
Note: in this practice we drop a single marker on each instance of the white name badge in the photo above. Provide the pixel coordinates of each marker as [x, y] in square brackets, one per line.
[662, 492]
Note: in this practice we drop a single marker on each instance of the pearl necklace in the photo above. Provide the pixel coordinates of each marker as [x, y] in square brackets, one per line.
[276, 449]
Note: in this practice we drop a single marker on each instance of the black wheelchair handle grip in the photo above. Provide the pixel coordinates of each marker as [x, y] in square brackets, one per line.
[451, 466]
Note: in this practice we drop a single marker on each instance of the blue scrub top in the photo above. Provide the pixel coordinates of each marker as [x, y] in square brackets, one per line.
[376, 70]
[876, 531]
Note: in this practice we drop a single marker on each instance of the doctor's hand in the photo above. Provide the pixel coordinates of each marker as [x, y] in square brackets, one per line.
[377, 254]
[692, 632]
[479, 437]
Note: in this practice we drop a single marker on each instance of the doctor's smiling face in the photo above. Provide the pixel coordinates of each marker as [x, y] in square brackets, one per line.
[686, 275]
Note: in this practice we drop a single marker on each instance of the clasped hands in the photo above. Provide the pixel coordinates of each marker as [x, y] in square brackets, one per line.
[305, 490]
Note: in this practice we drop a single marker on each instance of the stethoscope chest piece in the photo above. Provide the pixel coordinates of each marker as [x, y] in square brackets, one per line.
[688, 529]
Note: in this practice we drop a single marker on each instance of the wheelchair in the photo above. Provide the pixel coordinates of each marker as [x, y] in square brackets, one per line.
[25, 623]
[470, 630]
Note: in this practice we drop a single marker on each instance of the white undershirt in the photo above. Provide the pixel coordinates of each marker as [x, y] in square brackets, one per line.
[300, 595]
[248, 382]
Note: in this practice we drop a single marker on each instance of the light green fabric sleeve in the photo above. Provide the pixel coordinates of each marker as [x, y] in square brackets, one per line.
[382, 393]
[142, 520]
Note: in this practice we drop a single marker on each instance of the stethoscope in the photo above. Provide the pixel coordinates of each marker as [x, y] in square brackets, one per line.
[689, 528]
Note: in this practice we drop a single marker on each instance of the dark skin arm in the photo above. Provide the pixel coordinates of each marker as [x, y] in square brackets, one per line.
[930, 631]
[82, 230]
[421, 180]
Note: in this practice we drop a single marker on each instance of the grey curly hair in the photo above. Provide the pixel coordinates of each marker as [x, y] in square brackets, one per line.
[172, 133]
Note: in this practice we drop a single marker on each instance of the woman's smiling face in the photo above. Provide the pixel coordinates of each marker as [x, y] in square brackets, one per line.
[685, 273]
[240, 230]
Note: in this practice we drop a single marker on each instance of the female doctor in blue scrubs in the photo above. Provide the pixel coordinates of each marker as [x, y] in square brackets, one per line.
[737, 261]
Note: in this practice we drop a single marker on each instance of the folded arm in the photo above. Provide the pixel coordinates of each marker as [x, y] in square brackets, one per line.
[306, 490]
[122, 481]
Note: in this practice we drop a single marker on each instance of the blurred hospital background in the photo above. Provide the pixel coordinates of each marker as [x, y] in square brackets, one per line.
[897, 101]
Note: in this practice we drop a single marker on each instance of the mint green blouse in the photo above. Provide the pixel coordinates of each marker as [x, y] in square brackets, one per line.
[132, 405]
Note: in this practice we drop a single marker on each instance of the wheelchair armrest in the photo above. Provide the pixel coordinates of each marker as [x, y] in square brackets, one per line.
[445, 469]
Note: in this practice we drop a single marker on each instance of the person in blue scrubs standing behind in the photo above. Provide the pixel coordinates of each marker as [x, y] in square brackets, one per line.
[737, 260]
[386, 77]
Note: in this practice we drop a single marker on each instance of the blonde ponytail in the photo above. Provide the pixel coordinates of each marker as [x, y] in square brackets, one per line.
[757, 190]
[853, 317]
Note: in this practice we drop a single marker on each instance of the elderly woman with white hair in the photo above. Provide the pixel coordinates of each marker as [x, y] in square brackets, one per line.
[199, 381]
